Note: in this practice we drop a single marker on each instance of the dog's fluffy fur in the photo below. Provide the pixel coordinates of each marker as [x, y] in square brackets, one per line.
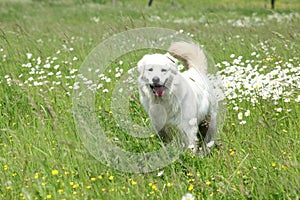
[184, 99]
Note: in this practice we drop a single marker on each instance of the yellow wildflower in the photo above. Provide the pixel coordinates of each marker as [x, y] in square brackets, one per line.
[191, 187]
[154, 187]
[283, 167]
[133, 182]
[169, 184]
[54, 172]
[208, 183]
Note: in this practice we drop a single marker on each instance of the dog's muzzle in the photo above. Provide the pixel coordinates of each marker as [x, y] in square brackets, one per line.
[157, 88]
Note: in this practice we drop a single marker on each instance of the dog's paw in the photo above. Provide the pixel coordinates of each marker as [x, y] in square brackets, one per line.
[193, 148]
[210, 144]
[205, 149]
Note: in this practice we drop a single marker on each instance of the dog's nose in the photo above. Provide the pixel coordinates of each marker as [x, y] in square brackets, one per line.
[155, 79]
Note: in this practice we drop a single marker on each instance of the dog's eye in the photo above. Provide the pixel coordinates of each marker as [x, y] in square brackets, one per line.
[150, 69]
[163, 70]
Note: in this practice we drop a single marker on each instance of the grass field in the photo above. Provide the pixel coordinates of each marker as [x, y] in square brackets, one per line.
[42, 46]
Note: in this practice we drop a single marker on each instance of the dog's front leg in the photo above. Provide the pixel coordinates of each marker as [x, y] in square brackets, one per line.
[158, 117]
[190, 129]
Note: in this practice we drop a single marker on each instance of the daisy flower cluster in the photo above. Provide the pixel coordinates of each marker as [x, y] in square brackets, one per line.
[246, 80]
[40, 71]
[245, 21]
[256, 79]
[46, 73]
[254, 20]
[100, 81]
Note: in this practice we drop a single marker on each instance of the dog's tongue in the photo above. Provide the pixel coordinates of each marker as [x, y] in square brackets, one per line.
[159, 91]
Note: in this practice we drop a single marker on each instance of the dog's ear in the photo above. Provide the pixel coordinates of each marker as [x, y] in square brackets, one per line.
[141, 64]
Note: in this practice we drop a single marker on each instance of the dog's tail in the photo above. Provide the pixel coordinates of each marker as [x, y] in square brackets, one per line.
[190, 53]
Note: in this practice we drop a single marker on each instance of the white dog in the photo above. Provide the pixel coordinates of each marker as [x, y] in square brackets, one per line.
[184, 99]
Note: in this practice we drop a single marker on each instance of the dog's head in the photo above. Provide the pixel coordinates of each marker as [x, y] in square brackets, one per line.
[156, 70]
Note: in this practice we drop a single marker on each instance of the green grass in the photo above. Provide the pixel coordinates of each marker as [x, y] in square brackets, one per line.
[258, 160]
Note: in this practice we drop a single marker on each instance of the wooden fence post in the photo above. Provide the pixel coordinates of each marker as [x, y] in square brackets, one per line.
[150, 3]
[273, 4]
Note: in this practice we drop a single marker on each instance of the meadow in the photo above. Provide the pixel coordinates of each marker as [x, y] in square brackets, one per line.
[42, 47]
